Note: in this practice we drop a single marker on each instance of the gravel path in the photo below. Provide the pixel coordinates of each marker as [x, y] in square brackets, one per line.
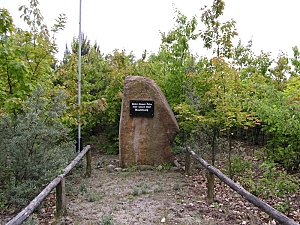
[131, 197]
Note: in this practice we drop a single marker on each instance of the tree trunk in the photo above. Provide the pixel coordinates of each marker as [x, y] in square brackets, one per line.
[229, 153]
[210, 176]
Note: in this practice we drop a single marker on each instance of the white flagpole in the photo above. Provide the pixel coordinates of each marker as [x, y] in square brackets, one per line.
[79, 80]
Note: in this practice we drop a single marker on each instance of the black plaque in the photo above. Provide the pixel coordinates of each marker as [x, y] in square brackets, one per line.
[141, 108]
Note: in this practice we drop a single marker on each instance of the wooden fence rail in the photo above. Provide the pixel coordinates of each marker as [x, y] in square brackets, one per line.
[59, 183]
[280, 217]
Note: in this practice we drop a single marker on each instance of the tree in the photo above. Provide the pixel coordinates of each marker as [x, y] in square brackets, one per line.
[248, 63]
[26, 56]
[280, 71]
[280, 117]
[102, 81]
[215, 86]
[174, 58]
[13, 70]
[295, 62]
[92, 85]
[85, 45]
[217, 36]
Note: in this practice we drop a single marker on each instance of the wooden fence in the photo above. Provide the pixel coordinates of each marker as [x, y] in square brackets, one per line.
[280, 217]
[59, 184]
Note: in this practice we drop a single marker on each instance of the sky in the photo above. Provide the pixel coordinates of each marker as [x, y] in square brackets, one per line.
[135, 25]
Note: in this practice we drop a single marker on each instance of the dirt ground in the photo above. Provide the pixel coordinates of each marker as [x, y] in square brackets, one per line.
[161, 195]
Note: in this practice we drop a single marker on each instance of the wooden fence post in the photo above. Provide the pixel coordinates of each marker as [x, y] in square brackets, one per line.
[59, 183]
[61, 203]
[88, 163]
[187, 163]
[280, 217]
[210, 186]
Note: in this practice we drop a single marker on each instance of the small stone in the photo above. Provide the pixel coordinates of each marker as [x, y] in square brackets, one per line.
[110, 168]
[159, 167]
[163, 220]
[176, 163]
[68, 219]
[115, 162]
[118, 169]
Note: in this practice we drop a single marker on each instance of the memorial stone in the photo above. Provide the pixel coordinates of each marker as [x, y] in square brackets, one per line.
[147, 124]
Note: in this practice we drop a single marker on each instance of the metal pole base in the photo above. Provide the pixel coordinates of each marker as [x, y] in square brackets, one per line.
[81, 144]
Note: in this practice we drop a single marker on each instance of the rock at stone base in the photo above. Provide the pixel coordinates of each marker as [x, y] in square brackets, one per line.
[118, 169]
[159, 167]
[143, 140]
[110, 167]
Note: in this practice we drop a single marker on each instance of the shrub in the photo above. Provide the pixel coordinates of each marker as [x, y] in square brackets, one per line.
[34, 145]
[107, 219]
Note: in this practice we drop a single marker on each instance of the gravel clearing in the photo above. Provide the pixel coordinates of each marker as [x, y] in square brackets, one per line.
[161, 195]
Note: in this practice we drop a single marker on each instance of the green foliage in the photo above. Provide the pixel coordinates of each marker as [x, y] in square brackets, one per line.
[13, 82]
[239, 165]
[111, 146]
[34, 144]
[101, 92]
[107, 219]
[280, 115]
[177, 149]
[292, 90]
[295, 62]
[249, 64]
[265, 179]
[132, 168]
[135, 191]
[174, 58]
[6, 22]
[217, 35]
[268, 180]
[163, 166]
[92, 197]
[188, 118]
[276, 182]
[26, 56]
[166, 166]
[283, 207]
[279, 72]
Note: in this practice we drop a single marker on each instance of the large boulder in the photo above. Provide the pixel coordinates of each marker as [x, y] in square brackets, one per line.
[146, 132]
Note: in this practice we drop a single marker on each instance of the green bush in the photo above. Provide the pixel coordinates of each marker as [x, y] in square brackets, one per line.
[239, 166]
[271, 181]
[107, 219]
[34, 145]
[276, 181]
